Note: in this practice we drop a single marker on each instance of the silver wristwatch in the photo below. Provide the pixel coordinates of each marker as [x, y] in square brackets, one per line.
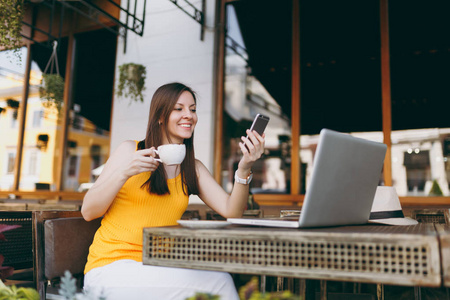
[241, 180]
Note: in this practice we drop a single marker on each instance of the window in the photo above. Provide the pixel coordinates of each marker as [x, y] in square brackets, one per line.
[342, 84]
[77, 122]
[37, 118]
[10, 163]
[247, 94]
[73, 161]
[43, 147]
[419, 82]
[32, 164]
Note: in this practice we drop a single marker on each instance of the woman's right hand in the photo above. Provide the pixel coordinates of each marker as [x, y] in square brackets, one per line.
[123, 163]
[140, 161]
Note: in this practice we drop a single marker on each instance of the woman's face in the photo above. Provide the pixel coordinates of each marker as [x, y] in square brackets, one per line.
[182, 119]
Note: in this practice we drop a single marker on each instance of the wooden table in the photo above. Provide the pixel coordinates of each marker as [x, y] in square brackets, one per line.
[444, 238]
[396, 255]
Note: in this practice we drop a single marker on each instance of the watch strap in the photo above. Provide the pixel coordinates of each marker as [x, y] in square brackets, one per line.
[242, 180]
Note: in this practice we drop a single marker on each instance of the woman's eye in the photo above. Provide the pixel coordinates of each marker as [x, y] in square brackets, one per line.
[179, 109]
[193, 110]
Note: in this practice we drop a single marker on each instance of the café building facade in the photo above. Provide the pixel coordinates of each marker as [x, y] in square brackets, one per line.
[375, 69]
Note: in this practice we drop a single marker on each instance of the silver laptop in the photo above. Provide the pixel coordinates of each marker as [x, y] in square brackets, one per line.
[345, 176]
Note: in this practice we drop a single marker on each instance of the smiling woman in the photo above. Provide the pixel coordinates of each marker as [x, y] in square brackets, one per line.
[135, 191]
[182, 120]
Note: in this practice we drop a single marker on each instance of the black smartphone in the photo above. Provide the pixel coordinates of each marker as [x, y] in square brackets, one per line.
[259, 123]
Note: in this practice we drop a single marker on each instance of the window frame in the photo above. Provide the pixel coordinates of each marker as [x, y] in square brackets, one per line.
[295, 198]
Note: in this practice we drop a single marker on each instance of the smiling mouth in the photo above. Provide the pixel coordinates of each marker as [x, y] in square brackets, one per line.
[186, 125]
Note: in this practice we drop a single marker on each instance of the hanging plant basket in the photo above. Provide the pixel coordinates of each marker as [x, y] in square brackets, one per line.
[52, 91]
[131, 81]
[11, 26]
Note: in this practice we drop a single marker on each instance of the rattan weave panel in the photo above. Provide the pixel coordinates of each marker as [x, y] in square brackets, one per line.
[444, 236]
[434, 216]
[404, 259]
[435, 219]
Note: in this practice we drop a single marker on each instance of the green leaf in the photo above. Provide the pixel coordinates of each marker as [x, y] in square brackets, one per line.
[204, 296]
[28, 293]
[11, 26]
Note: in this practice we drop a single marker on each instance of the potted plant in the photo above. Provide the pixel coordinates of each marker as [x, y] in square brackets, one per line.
[11, 26]
[250, 291]
[203, 296]
[21, 293]
[51, 91]
[12, 292]
[132, 81]
[4, 270]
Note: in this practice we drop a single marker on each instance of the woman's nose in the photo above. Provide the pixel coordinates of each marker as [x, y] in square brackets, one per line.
[188, 114]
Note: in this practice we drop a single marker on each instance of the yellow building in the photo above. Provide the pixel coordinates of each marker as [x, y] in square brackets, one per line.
[87, 145]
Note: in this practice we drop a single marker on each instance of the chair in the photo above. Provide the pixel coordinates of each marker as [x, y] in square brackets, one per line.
[212, 215]
[191, 214]
[434, 216]
[61, 242]
[17, 248]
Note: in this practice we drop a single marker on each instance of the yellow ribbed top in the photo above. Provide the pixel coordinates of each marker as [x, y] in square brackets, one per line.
[121, 232]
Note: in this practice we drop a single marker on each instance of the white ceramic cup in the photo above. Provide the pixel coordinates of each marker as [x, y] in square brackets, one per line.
[171, 154]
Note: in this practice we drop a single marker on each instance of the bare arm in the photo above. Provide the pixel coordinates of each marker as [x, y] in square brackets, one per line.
[231, 205]
[123, 163]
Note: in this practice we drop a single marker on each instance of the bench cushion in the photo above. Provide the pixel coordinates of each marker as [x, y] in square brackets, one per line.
[67, 242]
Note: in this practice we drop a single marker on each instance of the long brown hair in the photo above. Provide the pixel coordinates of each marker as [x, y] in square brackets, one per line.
[162, 105]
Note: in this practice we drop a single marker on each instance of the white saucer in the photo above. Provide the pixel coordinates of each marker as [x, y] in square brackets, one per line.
[203, 223]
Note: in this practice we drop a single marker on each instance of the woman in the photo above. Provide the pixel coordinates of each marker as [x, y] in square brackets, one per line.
[136, 191]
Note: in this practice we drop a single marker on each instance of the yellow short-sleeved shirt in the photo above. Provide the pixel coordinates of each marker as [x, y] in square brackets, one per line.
[121, 232]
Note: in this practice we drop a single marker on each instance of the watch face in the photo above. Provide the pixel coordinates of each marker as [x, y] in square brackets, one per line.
[249, 178]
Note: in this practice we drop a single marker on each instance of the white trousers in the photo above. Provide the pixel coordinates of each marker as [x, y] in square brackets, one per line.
[128, 279]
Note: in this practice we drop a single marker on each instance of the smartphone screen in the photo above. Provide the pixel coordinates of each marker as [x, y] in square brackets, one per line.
[259, 123]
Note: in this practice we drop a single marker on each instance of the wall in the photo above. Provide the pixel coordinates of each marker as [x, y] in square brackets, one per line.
[171, 50]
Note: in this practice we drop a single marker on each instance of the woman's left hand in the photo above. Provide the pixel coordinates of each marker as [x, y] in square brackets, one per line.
[252, 148]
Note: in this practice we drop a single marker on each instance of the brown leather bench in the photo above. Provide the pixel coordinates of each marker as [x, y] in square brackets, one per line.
[61, 241]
